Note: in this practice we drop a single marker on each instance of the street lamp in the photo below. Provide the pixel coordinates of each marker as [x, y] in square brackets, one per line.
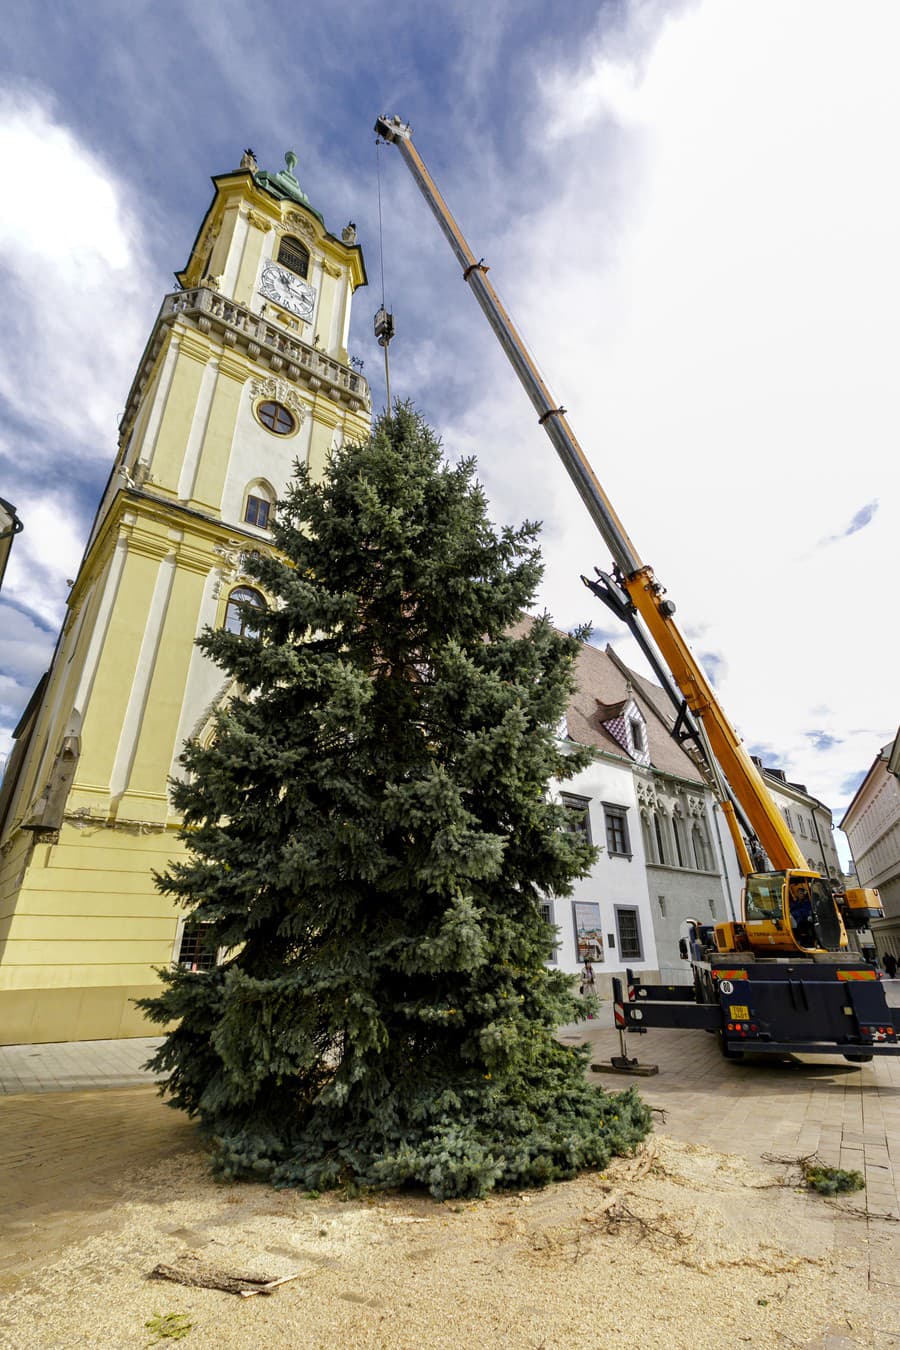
[10, 525]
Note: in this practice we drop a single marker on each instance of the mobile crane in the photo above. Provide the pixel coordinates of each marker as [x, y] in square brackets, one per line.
[782, 980]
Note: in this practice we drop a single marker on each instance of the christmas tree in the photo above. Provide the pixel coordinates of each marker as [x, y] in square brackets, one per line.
[369, 837]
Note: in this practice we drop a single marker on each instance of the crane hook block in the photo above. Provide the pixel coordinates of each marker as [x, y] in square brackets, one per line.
[384, 327]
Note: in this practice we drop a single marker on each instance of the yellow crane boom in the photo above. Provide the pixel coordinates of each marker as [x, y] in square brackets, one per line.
[644, 592]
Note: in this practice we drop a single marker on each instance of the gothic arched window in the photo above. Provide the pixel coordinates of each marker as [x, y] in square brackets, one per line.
[701, 848]
[659, 834]
[679, 845]
[237, 618]
[292, 254]
[649, 846]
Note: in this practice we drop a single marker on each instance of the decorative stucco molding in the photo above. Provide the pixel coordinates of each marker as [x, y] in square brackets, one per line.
[298, 224]
[281, 392]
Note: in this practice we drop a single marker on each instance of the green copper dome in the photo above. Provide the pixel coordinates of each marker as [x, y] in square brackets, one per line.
[285, 186]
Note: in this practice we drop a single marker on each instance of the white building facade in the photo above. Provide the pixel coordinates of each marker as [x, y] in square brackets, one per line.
[664, 855]
[809, 820]
[872, 827]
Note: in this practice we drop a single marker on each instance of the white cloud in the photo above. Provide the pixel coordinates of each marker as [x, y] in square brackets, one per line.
[80, 296]
[80, 291]
[711, 280]
[24, 656]
[45, 555]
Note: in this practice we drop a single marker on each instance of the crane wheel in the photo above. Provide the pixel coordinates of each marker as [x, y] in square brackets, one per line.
[859, 1059]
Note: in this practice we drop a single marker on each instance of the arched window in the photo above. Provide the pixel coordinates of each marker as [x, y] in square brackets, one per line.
[649, 844]
[258, 505]
[701, 848]
[659, 833]
[292, 254]
[679, 844]
[237, 618]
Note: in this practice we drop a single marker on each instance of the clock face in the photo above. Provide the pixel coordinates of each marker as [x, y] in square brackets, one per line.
[287, 290]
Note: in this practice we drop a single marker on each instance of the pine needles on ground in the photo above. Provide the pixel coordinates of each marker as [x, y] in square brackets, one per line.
[831, 1180]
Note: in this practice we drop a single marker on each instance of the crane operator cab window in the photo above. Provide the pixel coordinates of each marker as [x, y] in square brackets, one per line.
[814, 919]
[810, 908]
[765, 897]
[801, 912]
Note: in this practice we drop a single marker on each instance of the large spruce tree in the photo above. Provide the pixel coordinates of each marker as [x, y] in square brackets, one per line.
[369, 836]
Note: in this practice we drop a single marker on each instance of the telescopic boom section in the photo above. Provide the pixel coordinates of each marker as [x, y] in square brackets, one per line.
[644, 591]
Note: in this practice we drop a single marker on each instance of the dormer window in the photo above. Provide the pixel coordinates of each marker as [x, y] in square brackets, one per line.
[293, 255]
[625, 722]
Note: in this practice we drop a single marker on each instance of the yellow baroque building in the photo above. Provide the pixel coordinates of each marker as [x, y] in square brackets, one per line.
[246, 370]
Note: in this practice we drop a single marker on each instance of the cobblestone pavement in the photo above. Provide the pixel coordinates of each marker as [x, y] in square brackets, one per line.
[66, 1156]
[66, 1159]
[848, 1114]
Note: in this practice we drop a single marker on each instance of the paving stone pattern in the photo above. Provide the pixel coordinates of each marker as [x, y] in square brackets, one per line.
[848, 1114]
[75, 1064]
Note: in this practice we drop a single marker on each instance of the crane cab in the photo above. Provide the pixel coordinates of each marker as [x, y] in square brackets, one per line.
[785, 912]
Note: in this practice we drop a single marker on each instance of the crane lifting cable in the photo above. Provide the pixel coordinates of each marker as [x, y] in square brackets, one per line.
[384, 321]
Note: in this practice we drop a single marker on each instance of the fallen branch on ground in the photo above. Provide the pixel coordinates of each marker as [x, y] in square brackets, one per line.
[200, 1278]
[818, 1176]
[850, 1213]
[619, 1214]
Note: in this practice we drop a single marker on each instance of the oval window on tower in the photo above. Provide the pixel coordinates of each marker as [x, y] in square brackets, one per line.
[275, 417]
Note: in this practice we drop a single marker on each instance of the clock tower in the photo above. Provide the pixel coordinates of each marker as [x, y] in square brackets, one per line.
[246, 370]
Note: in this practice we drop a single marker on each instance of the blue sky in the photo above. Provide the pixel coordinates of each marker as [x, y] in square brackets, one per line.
[690, 208]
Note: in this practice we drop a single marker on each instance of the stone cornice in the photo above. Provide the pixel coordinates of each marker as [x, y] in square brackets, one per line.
[145, 542]
[226, 324]
[160, 513]
[190, 346]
